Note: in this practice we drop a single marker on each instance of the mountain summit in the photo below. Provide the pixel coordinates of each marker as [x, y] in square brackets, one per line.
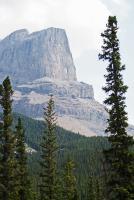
[45, 53]
[40, 64]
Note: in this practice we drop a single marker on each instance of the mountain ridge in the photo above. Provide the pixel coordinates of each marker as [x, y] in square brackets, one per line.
[40, 64]
[27, 57]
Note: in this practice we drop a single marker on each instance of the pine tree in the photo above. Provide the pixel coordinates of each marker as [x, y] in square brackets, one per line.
[48, 175]
[23, 184]
[119, 157]
[7, 141]
[70, 191]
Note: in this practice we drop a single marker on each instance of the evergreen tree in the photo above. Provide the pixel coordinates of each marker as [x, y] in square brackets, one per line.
[95, 189]
[91, 189]
[7, 144]
[21, 157]
[99, 191]
[70, 189]
[119, 157]
[48, 175]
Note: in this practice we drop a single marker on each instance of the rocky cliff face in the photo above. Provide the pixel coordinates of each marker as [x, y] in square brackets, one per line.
[75, 105]
[41, 64]
[26, 57]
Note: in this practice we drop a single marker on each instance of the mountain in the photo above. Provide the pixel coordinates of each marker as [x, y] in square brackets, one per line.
[27, 57]
[74, 102]
[41, 64]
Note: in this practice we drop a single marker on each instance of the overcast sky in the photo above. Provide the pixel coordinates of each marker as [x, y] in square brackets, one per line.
[83, 21]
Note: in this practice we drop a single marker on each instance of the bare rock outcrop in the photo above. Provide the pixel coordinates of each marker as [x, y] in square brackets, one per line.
[40, 64]
[26, 57]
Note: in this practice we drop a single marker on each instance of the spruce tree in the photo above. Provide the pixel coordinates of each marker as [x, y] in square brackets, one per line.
[23, 183]
[70, 189]
[48, 174]
[7, 144]
[99, 190]
[95, 189]
[91, 189]
[120, 159]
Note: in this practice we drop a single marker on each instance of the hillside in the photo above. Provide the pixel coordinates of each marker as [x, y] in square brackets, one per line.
[85, 151]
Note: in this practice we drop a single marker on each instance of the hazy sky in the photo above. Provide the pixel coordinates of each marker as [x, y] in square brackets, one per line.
[83, 21]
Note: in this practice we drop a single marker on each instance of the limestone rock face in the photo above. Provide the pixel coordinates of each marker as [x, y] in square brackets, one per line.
[66, 89]
[41, 64]
[75, 105]
[26, 57]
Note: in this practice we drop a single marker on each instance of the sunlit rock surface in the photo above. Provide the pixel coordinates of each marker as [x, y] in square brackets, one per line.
[40, 64]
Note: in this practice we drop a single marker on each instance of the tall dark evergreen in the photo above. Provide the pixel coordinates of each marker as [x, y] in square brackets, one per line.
[7, 144]
[99, 190]
[91, 189]
[23, 184]
[95, 191]
[119, 157]
[70, 188]
[48, 175]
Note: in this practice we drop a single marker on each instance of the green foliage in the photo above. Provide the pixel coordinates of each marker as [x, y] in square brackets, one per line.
[7, 143]
[92, 189]
[23, 182]
[70, 188]
[85, 151]
[14, 183]
[99, 189]
[119, 157]
[48, 185]
[95, 188]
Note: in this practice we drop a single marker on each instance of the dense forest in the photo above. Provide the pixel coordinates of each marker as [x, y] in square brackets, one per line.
[86, 152]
